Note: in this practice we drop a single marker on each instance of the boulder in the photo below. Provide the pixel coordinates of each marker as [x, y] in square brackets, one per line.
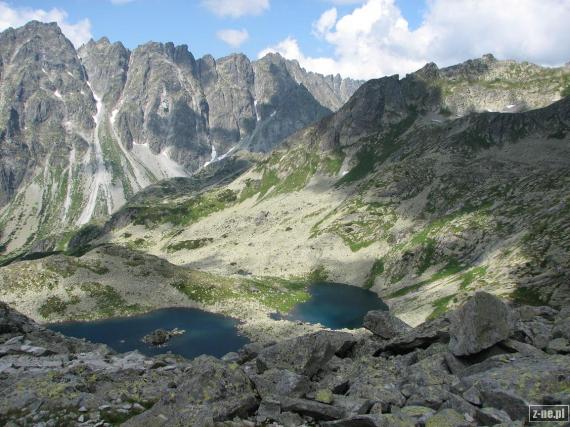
[384, 324]
[213, 391]
[387, 420]
[280, 382]
[290, 419]
[268, 409]
[352, 405]
[447, 418]
[311, 408]
[481, 322]
[514, 405]
[417, 412]
[161, 336]
[558, 345]
[536, 331]
[492, 416]
[422, 336]
[562, 324]
[307, 354]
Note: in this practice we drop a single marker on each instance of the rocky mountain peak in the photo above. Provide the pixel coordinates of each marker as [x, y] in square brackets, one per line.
[134, 118]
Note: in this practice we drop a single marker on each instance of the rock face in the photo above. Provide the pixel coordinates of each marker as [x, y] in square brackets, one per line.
[384, 324]
[340, 380]
[480, 323]
[214, 391]
[109, 122]
[160, 336]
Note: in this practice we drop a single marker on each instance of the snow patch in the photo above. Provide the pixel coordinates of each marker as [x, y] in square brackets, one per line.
[101, 181]
[213, 157]
[114, 115]
[256, 111]
[57, 94]
[227, 153]
[67, 202]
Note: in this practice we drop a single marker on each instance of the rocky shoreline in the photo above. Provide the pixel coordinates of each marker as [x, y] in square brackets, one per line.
[481, 364]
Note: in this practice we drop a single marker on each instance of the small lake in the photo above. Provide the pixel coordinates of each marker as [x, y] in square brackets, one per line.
[206, 333]
[335, 306]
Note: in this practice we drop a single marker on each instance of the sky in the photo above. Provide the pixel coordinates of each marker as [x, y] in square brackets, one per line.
[361, 39]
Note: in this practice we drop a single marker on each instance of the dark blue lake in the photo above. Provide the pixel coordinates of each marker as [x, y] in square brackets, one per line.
[335, 306]
[206, 333]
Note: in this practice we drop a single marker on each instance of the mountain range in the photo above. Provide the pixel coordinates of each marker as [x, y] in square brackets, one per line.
[423, 188]
[83, 130]
[137, 180]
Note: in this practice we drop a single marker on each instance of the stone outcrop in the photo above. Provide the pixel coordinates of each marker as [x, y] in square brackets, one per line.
[384, 324]
[479, 324]
[161, 336]
[328, 379]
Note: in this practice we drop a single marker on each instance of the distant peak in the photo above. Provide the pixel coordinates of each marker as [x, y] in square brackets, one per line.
[430, 71]
[38, 26]
[103, 40]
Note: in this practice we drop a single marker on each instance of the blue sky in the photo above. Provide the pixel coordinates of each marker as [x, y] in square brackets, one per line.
[191, 23]
[357, 38]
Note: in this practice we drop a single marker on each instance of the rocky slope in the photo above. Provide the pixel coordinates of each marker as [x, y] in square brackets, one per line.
[387, 193]
[112, 281]
[465, 369]
[81, 131]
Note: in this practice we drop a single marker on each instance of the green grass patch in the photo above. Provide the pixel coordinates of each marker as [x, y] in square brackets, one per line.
[452, 267]
[528, 296]
[261, 187]
[317, 275]
[377, 151]
[275, 293]
[66, 267]
[183, 213]
[268, 180]
[376, 270]
[108, 301]
[332, 165]
[440, 306]
[427, 256]
[472, 275]
[278, 294]
[406, 290]
[54, 305]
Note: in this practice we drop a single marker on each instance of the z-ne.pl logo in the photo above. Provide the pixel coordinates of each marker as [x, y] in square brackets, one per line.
[546, 413]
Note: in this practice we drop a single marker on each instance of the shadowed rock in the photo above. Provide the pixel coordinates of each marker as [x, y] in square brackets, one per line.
[480, 323]
[384, 324]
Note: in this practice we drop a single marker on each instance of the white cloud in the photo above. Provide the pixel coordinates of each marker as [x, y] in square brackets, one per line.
[375, 39]
[79, 32]
[325, 23]
[235, 38]
[236, 8]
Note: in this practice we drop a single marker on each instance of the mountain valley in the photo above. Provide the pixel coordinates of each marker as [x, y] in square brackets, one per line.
[132, 181]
